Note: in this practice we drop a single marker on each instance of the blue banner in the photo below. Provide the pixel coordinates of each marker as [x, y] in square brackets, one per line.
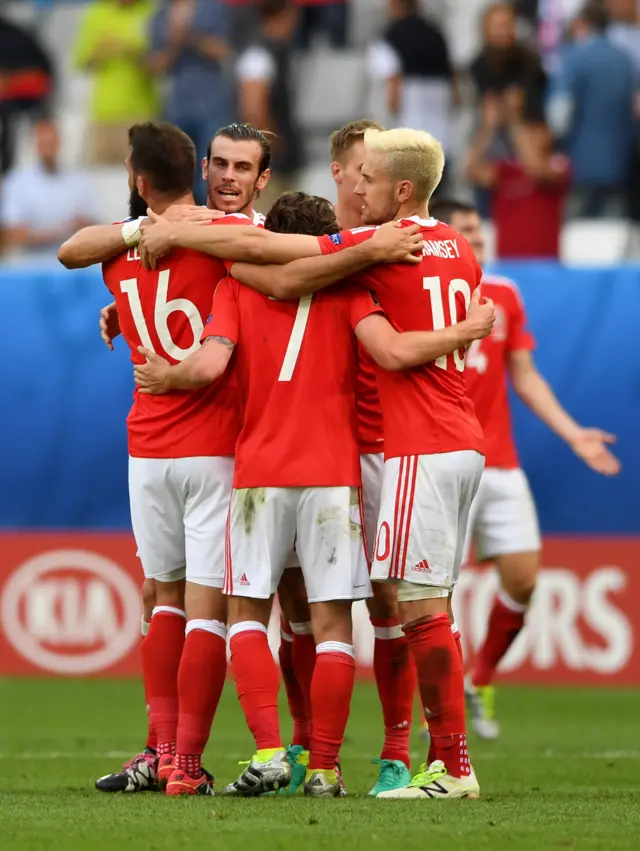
[64, 399]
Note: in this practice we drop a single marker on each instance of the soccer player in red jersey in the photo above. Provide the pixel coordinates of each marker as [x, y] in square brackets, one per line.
[181, 465]
[503, 522]
[433, 441]
[236, 170]
[296, 478]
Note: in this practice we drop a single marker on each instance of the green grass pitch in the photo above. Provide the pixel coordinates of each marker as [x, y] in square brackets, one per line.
[565, 774]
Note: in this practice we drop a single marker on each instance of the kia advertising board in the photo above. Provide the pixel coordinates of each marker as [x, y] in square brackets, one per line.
[70, 606]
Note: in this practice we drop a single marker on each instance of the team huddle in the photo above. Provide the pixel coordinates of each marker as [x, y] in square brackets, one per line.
[302, 425]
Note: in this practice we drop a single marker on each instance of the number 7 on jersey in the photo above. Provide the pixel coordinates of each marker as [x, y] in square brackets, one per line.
[295, 340]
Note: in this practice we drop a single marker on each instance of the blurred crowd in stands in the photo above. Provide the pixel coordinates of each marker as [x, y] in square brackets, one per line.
[553, 91]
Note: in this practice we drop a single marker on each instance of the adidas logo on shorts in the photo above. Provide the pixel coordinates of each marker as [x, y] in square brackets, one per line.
[422, 567]
[244, 580]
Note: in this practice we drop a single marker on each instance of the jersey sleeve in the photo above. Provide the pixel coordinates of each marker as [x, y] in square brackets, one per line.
[519, 337]
[362, 303]
[333, 242]
[224, 319]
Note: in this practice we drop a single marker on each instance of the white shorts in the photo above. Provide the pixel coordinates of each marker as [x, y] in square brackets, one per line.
[372, 469]
[179, 510]
[503, 517]
[325, 526]
[423, 518]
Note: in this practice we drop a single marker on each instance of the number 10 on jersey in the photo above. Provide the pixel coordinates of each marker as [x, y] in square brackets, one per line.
[434, 286]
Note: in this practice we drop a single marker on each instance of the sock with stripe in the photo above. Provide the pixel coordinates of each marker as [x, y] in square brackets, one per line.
[161, 651]
[505, 622]
[257, 682]
[441, 684]
[295, 698]
[457, 637]
[331, 690]
[395, 675]
[201, 677]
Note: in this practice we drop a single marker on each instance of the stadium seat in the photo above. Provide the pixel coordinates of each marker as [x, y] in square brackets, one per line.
[596, 242]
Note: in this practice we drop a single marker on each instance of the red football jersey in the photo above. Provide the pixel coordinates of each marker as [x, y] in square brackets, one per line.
[426, 410]
[486, 370]
[165, 310]
[296, 365]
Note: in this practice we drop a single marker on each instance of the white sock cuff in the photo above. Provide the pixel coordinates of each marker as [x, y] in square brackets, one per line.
[388, 633]
[246, 626]
[455, 629]
[286, 636]
[168, 610]
[301, 628]
[214, 627]
[144, 626]
[336, 647]
[510, 603]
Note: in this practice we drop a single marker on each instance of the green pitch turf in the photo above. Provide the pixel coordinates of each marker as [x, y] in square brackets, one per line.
[565, 774]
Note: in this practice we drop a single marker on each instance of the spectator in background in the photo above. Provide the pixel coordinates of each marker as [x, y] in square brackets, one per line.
[243, 22]
[328, 16]
[111, 45]
[624, 31]
[554, 17]
[43, 205]
[504, 62]
[512, 157]
[624, 27]
[26, 84]
[412, 60]
[264, 93]
[190, 45]
[592, 111]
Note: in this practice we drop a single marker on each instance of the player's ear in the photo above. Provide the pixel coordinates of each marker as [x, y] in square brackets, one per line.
[141, 186]
[263, 179]
[336, 172]
[405, 191]
[205, 168]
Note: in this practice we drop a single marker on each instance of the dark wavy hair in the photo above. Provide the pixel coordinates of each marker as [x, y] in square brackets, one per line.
[164, 155]
[297, 212]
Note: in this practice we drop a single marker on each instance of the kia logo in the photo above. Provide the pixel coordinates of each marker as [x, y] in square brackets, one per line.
[71, 611]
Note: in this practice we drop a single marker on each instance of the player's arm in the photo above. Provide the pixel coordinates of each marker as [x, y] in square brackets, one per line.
[250, 244]
[590, 444]
[98, 244]
[394, 350]
[198, 370]
[388, 244]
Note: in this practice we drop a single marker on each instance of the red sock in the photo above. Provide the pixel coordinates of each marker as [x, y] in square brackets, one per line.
[331, 690]
[505, 622]
[152, 739]
[297, 704]
[257, 682]
[203, 669]
[303, 659]
[441, 684]
[457, 637]
[395, 675]
[161, 652]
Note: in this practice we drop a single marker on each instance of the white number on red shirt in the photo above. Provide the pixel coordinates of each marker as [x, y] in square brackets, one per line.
[476, 358]
[163, 309]
[434, 286]
[295, 340]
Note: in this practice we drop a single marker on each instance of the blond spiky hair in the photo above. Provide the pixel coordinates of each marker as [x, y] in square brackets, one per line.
[413, 155]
